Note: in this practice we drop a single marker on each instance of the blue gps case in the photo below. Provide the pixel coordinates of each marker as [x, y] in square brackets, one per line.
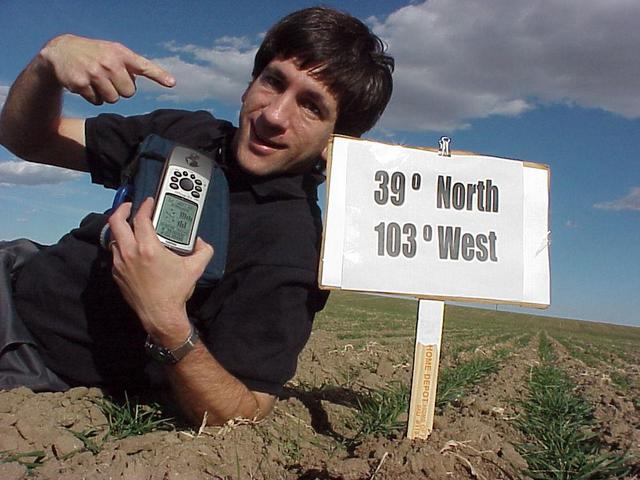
[152, 153]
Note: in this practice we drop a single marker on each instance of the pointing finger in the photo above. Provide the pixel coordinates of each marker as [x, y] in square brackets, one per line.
[142, 66]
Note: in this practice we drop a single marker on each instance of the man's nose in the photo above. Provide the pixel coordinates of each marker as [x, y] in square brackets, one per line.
[277, 113]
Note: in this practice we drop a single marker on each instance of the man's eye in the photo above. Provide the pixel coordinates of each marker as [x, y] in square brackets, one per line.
[313, 109]
[271, 81]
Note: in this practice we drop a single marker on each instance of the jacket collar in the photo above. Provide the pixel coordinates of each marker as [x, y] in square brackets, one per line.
[287, 186]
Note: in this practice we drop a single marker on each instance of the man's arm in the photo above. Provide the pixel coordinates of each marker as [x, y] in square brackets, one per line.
[201, 384]
[31, 122]
[31, 125]
[157, 284]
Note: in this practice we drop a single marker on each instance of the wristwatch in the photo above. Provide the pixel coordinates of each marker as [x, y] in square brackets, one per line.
[171, 357]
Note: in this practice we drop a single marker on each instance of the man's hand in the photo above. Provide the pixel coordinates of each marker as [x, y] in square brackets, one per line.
[31, 121]
[155, 281]
[98, 70]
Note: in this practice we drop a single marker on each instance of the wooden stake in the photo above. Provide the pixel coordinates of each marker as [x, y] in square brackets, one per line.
[426, 360]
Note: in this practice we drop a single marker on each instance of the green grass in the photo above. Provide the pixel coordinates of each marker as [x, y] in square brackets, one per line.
[504, 338]
[562, 439]
[563, 444]
[292, 446]
[455, 351]
[30, 460]
[523, 340]
[371, 318]
[622, 381]
[378, 411]
[627, 357]
[545, 350]
[88, 439]
[124, 420]
[132, 418]
[455, 382]
[358, 318]
[592, 355]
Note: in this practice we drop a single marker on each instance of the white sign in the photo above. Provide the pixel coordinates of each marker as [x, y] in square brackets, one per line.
[409, 221]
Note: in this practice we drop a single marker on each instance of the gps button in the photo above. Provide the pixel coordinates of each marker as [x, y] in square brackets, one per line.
[186, 184]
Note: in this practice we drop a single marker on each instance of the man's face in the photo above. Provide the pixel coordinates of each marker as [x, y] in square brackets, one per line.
[286, 120]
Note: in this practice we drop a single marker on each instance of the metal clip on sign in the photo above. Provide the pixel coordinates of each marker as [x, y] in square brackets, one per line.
[444, 146]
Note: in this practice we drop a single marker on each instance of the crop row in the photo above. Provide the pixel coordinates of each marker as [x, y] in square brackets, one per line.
[562, 439]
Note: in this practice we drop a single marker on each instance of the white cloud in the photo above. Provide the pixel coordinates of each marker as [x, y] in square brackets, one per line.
[18, 172]
[221, 72]
[4, 91]
[457, 60]
[629, 202]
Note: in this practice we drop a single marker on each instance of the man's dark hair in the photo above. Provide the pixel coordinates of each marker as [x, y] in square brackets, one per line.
[343, 54]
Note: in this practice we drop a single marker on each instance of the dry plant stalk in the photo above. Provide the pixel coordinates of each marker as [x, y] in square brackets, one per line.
[384, 457]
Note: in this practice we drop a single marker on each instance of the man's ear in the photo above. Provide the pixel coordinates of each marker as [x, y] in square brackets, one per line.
[325, 153]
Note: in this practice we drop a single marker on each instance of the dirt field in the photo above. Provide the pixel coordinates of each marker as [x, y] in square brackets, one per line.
[315, 432]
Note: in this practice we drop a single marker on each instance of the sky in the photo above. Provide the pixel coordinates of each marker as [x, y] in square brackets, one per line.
[551, 81]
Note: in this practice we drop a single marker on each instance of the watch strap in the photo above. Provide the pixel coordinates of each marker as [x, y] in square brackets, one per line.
[171, 357]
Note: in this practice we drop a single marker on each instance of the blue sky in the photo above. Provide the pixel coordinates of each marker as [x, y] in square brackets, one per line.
[550, 82]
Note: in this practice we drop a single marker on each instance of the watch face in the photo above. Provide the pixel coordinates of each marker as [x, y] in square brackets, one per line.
[158, 353]
[164, 355]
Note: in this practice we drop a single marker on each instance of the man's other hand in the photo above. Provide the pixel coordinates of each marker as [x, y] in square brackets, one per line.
[155, 281]
[100, 71]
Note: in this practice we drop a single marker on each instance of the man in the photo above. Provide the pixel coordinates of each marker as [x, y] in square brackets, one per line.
[317, 72]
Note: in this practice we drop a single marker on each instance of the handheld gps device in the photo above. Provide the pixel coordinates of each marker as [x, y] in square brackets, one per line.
[180, 198]
[180, 179]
